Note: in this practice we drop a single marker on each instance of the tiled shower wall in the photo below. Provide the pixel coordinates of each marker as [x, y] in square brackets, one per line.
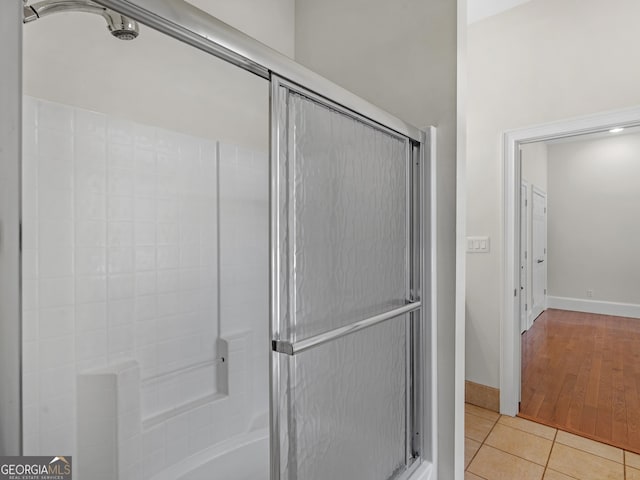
[244, 257]
[121, 241]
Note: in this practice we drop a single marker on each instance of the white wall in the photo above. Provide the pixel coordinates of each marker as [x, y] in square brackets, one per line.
[155, 79]
[402, 56]
[479, 9]
[268, 21]
[539, 62]
[594, 207]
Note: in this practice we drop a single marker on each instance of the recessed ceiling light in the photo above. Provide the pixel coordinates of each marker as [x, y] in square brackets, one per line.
[616, 130]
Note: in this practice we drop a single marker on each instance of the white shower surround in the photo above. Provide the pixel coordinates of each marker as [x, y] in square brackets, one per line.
[123, 249]
[244, 457]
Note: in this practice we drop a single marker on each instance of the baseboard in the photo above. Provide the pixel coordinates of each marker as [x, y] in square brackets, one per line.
[593, 306]
[482, 396]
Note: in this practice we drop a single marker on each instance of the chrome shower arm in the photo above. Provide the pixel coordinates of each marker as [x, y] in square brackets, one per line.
[120, 26]
[48, 7]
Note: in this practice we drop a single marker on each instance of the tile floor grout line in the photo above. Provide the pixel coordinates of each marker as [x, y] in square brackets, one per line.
[554, 442]
[515, 454]
[474, 456]
[588, 452]
[481, 444]
[528, 432]
[575, 432]
[496, 422]
[471, 461]
[518, 457]
[624, 470]
[488, 420]
[510, 453]
[546, 467]
[531, 433]
[480, 416]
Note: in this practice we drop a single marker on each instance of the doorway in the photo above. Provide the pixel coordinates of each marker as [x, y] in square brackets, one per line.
[533, 232]
[581, 333]
[510, 365]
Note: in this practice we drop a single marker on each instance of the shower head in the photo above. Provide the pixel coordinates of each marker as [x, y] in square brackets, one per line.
[121, 27]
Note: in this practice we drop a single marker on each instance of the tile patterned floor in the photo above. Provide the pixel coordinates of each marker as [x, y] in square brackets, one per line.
[507, 448]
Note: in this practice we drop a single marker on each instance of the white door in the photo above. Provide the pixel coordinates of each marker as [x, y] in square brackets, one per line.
[538, 252]
[524, 229]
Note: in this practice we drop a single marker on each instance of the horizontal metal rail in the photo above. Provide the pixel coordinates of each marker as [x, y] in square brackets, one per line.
[284, 346]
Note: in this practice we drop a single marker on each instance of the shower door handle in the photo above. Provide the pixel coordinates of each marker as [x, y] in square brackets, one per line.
[291, 348]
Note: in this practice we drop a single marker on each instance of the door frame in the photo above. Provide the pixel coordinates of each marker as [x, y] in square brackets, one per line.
[532, 314]
[510, 354]
[524, 284]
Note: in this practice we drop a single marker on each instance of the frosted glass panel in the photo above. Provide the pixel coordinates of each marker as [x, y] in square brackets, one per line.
[347, 214]
[345, 405]
[342, 196]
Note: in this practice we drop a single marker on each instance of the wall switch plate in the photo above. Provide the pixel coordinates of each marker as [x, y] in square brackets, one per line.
[478, 245]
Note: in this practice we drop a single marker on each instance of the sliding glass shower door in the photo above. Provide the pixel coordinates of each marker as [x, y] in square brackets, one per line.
[345, 293]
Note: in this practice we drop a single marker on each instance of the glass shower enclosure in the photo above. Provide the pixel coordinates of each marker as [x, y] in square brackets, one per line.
[162, 229]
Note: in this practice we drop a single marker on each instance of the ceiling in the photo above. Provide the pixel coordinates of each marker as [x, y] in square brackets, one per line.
[480, 9]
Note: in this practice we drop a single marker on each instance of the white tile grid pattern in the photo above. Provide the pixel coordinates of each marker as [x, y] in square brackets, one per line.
[185, 434]
[120, 262]
[244, 246]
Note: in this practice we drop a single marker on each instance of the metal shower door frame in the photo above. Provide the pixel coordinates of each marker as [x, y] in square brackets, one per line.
[10, 228]
[416, 290]
[184, 22]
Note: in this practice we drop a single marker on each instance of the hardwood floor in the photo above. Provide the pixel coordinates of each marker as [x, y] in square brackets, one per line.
[581, 374]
